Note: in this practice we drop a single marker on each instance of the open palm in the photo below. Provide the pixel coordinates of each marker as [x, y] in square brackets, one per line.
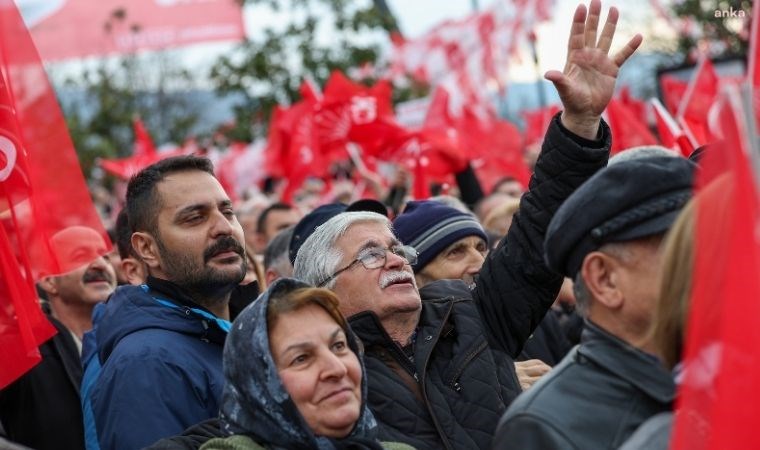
[587, 83]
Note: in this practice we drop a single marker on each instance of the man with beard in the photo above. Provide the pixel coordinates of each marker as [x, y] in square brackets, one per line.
[155, 363]
[41, 409]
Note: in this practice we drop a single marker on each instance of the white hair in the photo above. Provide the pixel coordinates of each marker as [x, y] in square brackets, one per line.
[318, 258]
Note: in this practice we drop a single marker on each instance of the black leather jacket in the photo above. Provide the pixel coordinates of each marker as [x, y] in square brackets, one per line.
[449, 390]
[594, 399]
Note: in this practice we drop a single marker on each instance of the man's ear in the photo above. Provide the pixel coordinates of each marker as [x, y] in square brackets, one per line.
[48, 285]
[146, 247]
[600, 273]
[134, 271]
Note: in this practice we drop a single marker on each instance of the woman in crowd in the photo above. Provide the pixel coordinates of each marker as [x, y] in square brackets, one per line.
[294, 376]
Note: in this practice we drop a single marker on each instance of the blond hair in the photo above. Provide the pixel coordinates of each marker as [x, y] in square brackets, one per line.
[669, 324]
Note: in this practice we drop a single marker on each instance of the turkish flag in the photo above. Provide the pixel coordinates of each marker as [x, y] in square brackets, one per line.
[717, 407]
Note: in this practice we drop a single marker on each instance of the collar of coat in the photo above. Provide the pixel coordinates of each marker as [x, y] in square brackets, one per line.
[638, 368]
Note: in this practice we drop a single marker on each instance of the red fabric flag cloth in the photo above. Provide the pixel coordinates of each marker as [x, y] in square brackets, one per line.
[350, 112]
[143, 142]
[274, 152]
[501, 156]
[23, 327]
[144, 153]
[717, 407]
[293, 150]
[671, 134]
[636, 106]
[627, 129]
[77, 28]
[42, 183]
[697, 100]
[673, 90]
[42, 192]
[435, 151]
[536, 123]
[754, 64]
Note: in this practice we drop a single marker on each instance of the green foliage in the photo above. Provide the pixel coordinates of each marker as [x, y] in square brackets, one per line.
[268, 70]
[729, 33]
[108, 96]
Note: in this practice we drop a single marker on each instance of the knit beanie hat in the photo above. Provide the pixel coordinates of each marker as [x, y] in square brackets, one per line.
[430, 226]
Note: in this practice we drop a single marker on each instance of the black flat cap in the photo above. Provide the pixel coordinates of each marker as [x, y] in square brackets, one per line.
[629, 200]
[306, 226]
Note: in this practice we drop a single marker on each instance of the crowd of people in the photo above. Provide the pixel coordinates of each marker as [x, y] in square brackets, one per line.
[530, 319]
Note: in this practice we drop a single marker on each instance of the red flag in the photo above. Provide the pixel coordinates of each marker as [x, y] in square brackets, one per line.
[350, 112]
[24, 327]
[754, 64]
[144, 153]
[721, 368]
[274, 152]
[42, 192]
[627, 129]
[637, 107]
[143, 142]
[697, 100]
[673, 90]
[77, 28]
[294, 150]
[671, 134]
[434, 152]
[499, 154]
[536, 123]
[42, 183]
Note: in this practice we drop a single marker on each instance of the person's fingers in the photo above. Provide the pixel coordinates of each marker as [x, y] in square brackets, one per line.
[561, 82]
[608, 32]
[627, 51]
[537, 371]
[592, 23]
[577, 29]
[527, 382]
[532, 362]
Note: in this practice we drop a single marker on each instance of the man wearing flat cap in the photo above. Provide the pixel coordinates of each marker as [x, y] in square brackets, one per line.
[606, 236]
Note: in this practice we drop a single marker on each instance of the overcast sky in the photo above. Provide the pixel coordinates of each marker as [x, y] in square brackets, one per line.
[418, 16]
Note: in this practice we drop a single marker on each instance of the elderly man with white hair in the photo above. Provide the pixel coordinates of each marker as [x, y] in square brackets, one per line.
[440, 359]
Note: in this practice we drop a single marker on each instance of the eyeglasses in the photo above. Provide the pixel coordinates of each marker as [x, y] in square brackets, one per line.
[376, 257]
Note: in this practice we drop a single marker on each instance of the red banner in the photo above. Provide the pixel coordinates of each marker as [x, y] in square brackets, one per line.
[716, 408]
[78, 28]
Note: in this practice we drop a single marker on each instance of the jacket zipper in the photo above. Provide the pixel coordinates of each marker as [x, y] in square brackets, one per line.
[452, 383]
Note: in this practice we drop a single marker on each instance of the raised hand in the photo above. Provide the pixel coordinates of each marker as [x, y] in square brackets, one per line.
[587, 83]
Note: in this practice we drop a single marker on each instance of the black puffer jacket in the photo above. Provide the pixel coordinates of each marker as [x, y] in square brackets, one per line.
[460, 377]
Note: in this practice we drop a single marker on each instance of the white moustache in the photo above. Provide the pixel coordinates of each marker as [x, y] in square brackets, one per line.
[396, 276]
